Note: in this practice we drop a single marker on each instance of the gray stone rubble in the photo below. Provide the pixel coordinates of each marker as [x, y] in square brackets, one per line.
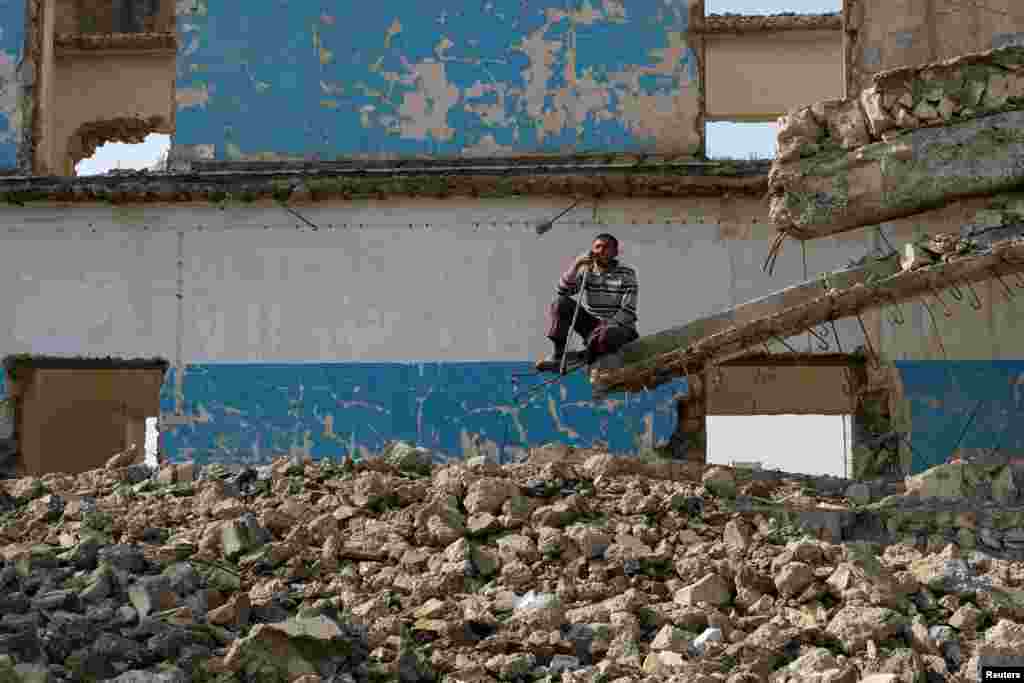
[577, 566]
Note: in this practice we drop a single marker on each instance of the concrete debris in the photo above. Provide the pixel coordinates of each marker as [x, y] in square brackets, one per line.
[980, 253]
[588, 567]
[917, 138]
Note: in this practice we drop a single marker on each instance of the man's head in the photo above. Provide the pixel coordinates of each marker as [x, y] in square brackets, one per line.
[604, 249]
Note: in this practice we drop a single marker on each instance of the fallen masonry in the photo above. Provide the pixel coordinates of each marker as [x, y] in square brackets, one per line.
[568, 566]
[981, 252]
[919, 137]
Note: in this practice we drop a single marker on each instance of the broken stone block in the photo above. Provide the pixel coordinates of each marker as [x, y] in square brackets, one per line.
[664, 663]
[915, 256]
[130, 456]
[712, 589]
[151, 594]
[854, 626]
[672, 639]
[943, 481]
[849, 126]
[924, 111]
[241, 535]
[878, 117]
[297, 647]
[409, 458]
[234, 613]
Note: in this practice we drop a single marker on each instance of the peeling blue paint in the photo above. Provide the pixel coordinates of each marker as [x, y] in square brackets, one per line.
[251, 413]
[942, 396]
[12, 40]
[396, 78]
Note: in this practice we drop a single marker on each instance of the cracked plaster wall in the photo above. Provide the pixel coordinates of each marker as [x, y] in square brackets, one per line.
[298, 339]
[882, 35]
[439, 79]
[13, 104]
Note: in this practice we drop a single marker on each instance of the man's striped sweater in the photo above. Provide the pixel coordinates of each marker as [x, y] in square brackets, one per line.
[610, 296]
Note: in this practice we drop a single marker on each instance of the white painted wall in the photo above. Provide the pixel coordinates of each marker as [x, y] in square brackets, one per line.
[469, 280]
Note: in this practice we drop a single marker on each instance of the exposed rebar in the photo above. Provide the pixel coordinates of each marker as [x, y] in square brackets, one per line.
[975, 301]
[867, 341]
[836, 335]
[935, 328]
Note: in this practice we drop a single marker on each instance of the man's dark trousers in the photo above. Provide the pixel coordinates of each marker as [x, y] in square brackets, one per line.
[601, 337]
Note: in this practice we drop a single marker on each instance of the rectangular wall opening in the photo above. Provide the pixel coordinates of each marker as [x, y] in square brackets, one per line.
[740, 141]
[804, 444]
[762, 7]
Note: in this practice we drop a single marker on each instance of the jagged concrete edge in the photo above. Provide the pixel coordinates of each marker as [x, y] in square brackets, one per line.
[1003, 255]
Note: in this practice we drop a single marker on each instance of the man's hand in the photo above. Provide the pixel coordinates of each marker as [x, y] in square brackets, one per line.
[583, 260]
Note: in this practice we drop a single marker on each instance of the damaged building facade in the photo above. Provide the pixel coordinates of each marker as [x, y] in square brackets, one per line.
[342, 250]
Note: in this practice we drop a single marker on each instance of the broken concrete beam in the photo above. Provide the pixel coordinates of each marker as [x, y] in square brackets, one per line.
[907, 98]
[924, 169]
[684, 335]
[242, 183]
[996, 252]
[917, 138]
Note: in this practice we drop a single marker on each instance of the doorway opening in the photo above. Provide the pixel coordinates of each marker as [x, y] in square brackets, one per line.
[804, 444]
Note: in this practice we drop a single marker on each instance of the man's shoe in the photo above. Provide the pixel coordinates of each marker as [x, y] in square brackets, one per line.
[554, 363]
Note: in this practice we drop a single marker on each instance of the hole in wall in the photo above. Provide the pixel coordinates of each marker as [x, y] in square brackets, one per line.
[152, 441]
[763, 7]
[806, 444]
[740, 141]
[151, 154]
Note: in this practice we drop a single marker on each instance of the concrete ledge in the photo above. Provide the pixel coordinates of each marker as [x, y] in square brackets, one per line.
[745, 23]
[70, 43]
[312, 182]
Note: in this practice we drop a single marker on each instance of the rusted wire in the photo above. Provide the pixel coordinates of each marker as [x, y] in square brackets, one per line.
[836, 335]
[976, 302]
[803, 254]
[822, 342]
[875, 361]
[783, 342]
[945, 309]
[773, 253]
[1006, 287]
[886, 240]
[935, 328]
[896, 315]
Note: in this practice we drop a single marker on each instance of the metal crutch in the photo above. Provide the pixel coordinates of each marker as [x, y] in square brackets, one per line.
[572, 325]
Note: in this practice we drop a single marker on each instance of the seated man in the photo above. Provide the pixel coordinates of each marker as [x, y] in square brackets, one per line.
[607, 314]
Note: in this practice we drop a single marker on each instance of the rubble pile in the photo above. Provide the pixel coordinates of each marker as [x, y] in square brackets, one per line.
[569, 566]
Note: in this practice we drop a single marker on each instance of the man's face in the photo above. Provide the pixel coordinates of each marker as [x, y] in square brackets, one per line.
[604, 251]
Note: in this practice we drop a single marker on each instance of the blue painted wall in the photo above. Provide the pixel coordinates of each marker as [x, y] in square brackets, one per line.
[943, 395]
[12, 41]
[252, 413]
[258, 411]
[398, 78]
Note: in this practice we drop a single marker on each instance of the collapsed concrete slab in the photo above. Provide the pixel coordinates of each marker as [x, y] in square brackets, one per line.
[984, 253]
[918, 138]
